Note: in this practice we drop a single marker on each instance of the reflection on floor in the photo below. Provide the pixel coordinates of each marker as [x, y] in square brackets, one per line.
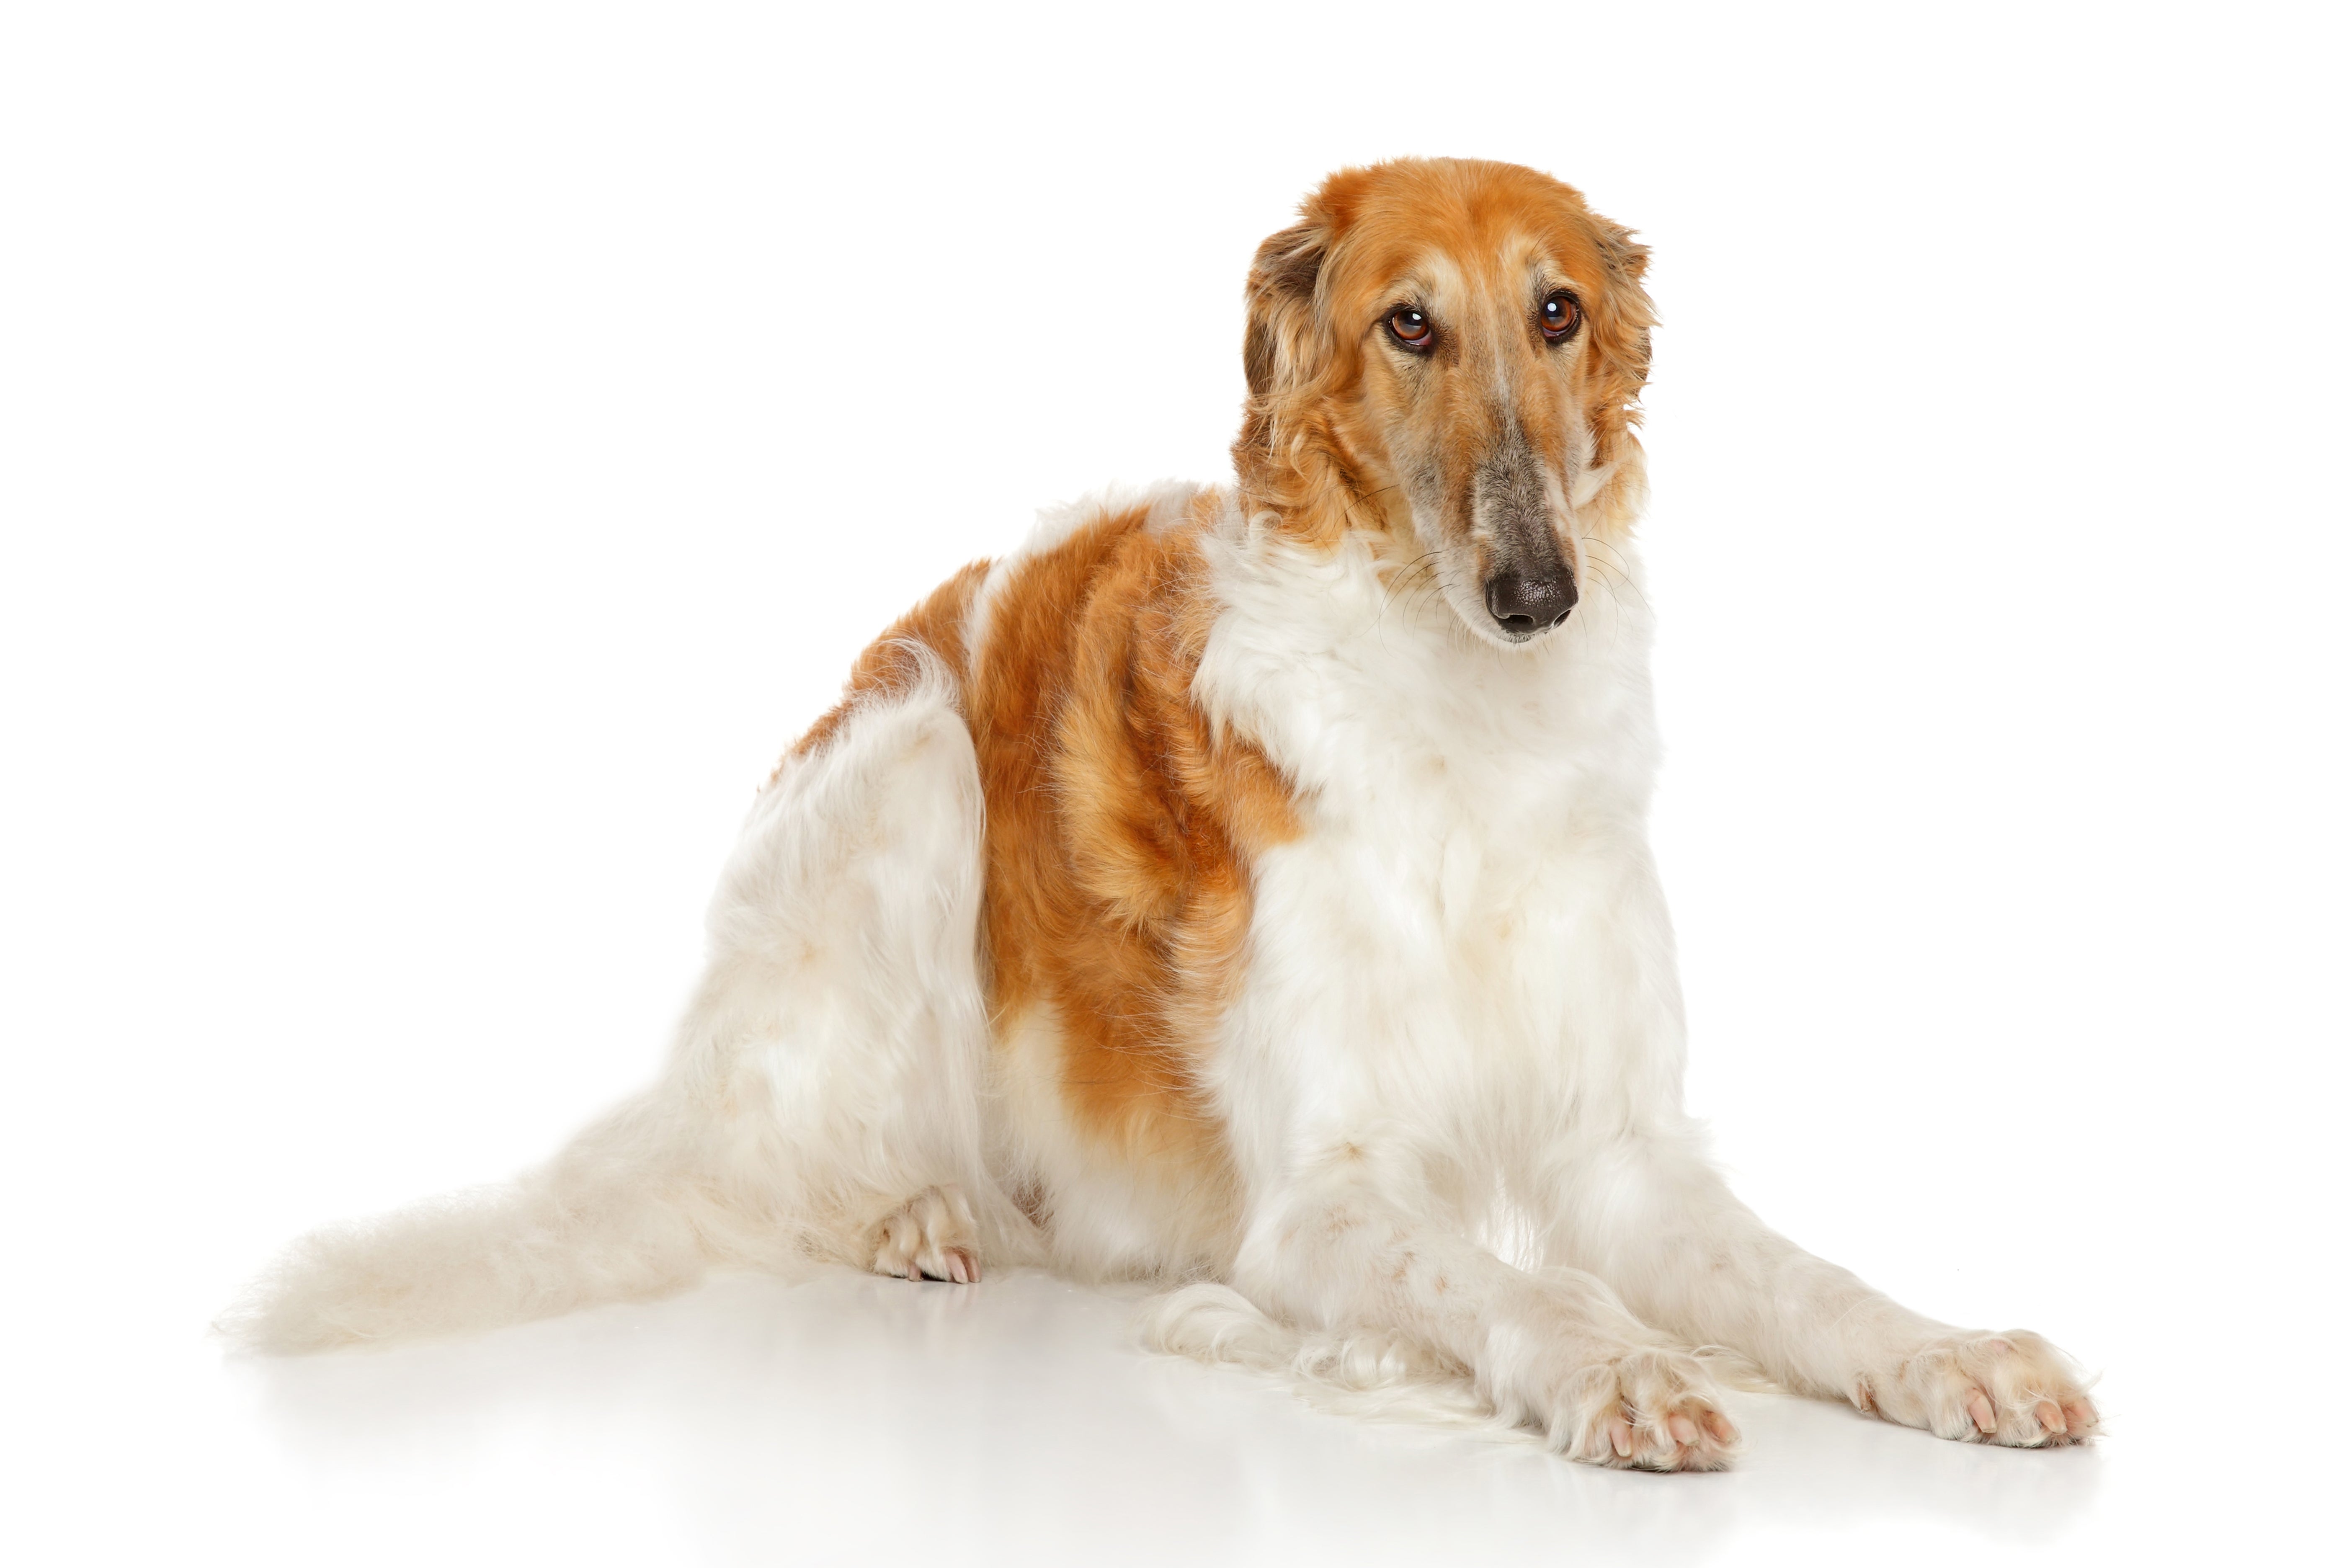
[756, 1421]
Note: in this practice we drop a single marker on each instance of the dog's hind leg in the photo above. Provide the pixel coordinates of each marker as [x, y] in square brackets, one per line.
[827, 1078]
[842, 1016]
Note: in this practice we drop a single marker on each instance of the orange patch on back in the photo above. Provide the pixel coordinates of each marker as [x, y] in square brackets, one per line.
[1120, 824]
[1120, 828]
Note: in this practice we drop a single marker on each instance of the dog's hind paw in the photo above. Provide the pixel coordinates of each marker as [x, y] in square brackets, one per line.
[931, 1237]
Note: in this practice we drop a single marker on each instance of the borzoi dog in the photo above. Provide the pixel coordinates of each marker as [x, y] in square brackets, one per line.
[1247, 888]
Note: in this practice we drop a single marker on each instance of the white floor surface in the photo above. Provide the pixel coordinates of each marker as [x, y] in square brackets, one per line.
[447, 450]
[851, 1419]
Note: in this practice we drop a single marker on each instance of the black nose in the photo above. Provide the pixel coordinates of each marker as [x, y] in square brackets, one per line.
[1524, 604]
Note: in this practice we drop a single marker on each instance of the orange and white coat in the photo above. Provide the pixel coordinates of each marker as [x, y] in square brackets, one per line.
[1247, 888]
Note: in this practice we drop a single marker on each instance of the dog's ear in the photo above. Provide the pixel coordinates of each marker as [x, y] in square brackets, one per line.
[1624, 256]
[1621, 332]
[1277, 345]
[1283, 357]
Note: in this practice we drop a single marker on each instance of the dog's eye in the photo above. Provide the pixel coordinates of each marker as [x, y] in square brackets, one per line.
[1561, 316]
[1410, 327]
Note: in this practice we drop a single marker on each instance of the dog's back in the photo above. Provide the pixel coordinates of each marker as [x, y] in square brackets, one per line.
[1252, 885]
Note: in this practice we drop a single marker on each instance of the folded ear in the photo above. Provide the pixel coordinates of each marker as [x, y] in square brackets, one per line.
[1623, 255]
[1622, 329]
[1277, 347]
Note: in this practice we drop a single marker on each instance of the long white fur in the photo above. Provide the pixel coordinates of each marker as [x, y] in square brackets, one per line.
[1463, 1026]
[828, 1069]
[1451, 1080]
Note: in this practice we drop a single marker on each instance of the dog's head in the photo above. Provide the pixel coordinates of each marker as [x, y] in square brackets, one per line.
[1450, 352]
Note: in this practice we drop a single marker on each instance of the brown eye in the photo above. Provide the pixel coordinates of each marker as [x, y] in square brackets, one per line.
[1410, 327]
[1561, 316]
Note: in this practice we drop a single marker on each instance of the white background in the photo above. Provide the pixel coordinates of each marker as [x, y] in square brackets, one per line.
[446, 452]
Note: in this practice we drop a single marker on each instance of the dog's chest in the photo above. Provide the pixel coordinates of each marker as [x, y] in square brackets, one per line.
[1438, 848]
[1459, 804]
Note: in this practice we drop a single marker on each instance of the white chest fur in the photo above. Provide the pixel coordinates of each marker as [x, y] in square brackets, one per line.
[1469, 934]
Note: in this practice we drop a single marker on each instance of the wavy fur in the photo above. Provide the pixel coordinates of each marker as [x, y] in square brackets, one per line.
[1247, 889]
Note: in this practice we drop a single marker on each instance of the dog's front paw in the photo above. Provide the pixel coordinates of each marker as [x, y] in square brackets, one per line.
[2015, 1389]
[1642, 1409]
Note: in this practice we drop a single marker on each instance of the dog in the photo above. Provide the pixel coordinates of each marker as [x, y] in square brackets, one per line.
[1247, 889]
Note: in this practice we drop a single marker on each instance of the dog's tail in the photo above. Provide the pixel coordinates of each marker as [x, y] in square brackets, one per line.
[623, 1213]
[828, 1068]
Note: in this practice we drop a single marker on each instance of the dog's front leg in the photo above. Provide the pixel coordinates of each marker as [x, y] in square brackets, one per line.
[1555, 1351]
[1631, 1198]
[1650, 1217]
